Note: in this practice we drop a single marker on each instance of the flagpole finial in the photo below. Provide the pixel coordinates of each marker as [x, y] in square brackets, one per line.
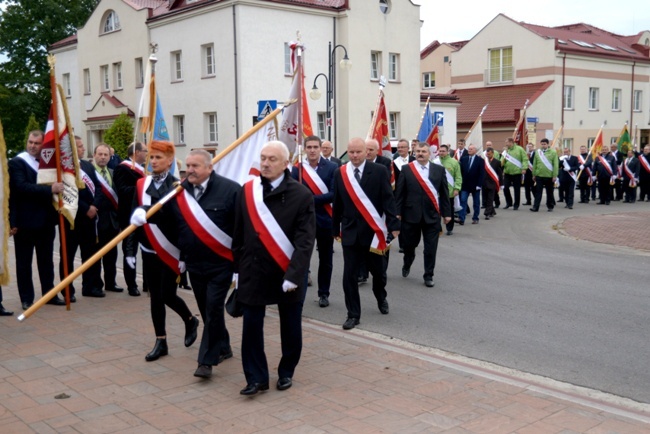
[298, 35]
[382, 82]
[153, 48]
[51, 60]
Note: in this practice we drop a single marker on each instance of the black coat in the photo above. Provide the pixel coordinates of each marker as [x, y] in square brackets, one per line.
[124, 180]
[30, 204]
[107, 213]
[386, 162]
[396, 170]
[87, 199]
[325, 171]
[574, 166]
[414, 205]
[488, 182]
[633, 166]
[260, 277]
[601, 170]
[347, 221]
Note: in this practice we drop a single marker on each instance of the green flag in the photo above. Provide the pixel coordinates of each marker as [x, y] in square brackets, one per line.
[624, 140]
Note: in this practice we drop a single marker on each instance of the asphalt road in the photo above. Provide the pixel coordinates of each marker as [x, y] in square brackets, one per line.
[516, 292]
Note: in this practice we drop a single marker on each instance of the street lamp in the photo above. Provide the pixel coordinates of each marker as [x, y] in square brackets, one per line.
[330, 81]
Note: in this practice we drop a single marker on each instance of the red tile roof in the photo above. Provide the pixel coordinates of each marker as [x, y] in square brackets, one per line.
[439, 97]
[179, 6]
[503, 101]
[70, 40]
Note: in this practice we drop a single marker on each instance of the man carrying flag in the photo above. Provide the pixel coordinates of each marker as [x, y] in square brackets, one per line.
[379, 133]
[568, 176]
[585, 178]
[606, 171]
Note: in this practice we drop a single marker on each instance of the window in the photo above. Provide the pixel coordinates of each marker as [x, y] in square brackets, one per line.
[322, 124]
[569, 97]
[593, 98]
[103, 75]
[637, 100]
[287, 59]
[567, 143]
[429, 80]
[66, 85]
[375, 65]
[111, 22]
[616, 99]
[393, 67]
[393, 125]
[500, 65]
[139, 72]
[86, 81]
[177, 65]
[179, 127]
[208, 60]
[211, 129]
[117, 75]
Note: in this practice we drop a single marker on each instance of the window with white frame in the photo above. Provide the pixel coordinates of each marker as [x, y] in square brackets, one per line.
[211, 128]
[321, 118]
[208, 60]
[593, 98]
[567, 143]
[500, 68]
[569, 97]
[179, 129]
[139, 72]
[65, 78]
[86, 81]
[375, 65]
[105, 80]
[393, 67]
[177, 65]
[287, 59]
[616, 99]
[429, 80]
[393, 125]
[637, 100]
[110, 23]
[117, 75]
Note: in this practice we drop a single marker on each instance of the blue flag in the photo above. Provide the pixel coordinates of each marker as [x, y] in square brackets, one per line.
[426, 127]
[159, 127]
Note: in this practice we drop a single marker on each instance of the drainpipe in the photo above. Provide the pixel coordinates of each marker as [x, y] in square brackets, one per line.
[234, 39]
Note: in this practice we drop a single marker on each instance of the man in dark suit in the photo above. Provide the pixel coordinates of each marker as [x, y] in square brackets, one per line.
[473, 170]
[401, 158]
[605, 169]
[326, 150]
[114, 159]
[567, 175]
[84, 235]
[644, 174]
[617, 189]
[373, 155]
[631, 170]
[422, 199]
[585, 179]
[318, 175]
[357, 179]
[206, 250]
[460, 152]
[107, 225]
[125, 177]
[32, 219]
[492, 182]
[275, 227]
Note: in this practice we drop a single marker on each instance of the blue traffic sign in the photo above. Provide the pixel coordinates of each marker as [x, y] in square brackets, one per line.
[264, 108]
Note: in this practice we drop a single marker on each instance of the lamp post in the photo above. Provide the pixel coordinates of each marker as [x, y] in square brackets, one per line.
[330, 81]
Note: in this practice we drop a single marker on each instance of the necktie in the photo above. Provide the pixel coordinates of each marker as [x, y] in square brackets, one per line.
[266, 187]
[105, 174]
[198, 191]
[471, 160]
[424, 167]
[357, 174]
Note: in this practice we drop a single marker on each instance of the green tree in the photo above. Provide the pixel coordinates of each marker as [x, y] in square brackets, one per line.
[32, 125]
[120, 134]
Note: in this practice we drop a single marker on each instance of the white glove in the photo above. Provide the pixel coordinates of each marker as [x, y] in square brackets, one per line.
[130, 260]
[478, 188]
[566, 169]
[582, 167]
[235, 279]
[288, 286]
[181, 267]
[502, 188]
[139, 217]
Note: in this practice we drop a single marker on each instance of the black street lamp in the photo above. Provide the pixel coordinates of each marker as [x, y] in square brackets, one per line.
[330, 82]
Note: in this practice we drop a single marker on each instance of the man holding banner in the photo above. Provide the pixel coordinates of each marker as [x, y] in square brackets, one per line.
[568, 177]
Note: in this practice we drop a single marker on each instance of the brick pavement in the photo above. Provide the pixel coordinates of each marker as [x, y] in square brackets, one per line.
[84, 371]
[629, 229]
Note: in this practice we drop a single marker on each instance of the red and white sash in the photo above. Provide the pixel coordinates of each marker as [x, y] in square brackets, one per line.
[166, 251]
[426, 185]
[205, 229]
[271, 234]
[582, 161]
[107, 190]
[89, 182]
[510, 159]
[134, 166]
[315, 183]
[572, 174]
[606, 165]
[366, 209]
[458, 154]
[629, 173]
[644, 162]
[492, 173]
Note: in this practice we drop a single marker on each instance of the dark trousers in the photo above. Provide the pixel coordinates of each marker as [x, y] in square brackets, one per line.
[210, 291]
[542, 184]
[567, 190]
[617, 190]
[325, 246]
[476, 204]
[585, 188]
[529, 186]
[449, 226]
[84, 238]
[594, 188]
[253, 357]
[430, 234]
[644, 187]
[629, 192]
[162, 292]
[513, 181]
[129, 273]
[109, 260]
[489, 194]
[25, 242]
[604, 189]
[353, 256]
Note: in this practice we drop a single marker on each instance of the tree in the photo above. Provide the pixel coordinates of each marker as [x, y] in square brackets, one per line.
[32, 125]
[120, 134]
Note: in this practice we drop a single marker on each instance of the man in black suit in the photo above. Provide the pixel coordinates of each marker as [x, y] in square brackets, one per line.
[125, 177]
[617, 189]
[585, 179]
[605, 169]
[373, 155]
[326, 150]
[422, 199]
[460, 152]
[32, 219]
[107, 225]
[567, 175]
[631, 170]
[473, 170]
[275, 227]
[357, 179]
[84, 235]
[205, 213]
[491, 183]
[401, 157]
[644, 174]
[318, 175]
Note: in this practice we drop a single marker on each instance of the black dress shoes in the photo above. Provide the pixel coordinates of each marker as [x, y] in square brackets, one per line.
[133, 292]
[190, 331]
[406, 271]
[534, 209]
[115, 289]
[284, 383]
[95, 292]
[507, 206]
[323, 301]
[5, 312]
[350, 323]
[203, 371]
[26, 305]
[428, 283]
[226, 355]
[56, 301]
[383, 306]
[527, 203]
[254, 388]
[515, 208]
[159, 349]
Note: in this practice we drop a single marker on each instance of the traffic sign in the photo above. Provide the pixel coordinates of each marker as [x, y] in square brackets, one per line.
[264, 108]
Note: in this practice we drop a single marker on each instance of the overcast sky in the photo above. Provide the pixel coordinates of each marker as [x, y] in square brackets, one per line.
[457, 20]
